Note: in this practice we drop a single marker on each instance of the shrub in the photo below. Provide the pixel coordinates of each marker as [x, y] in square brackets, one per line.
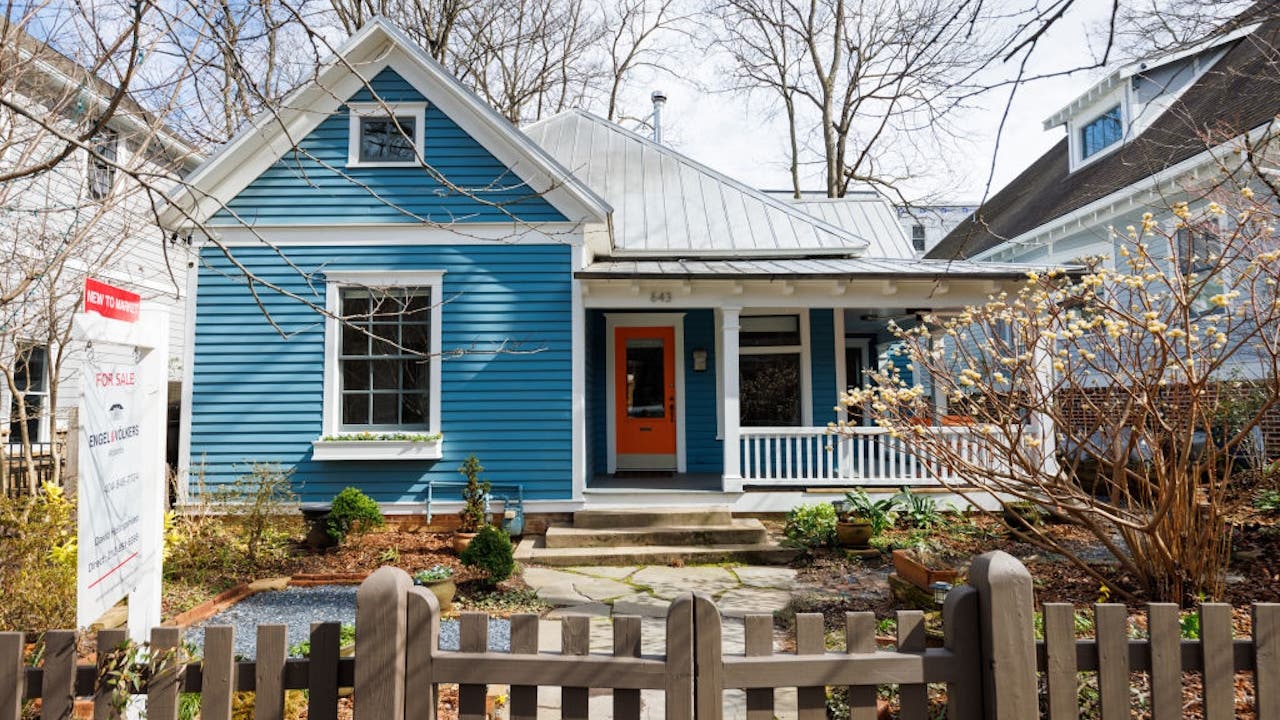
[471, 517]
[353, 511]
[492, 552]
[38, 561]
[255, 502]
[881, 513]
[812, 525]
[918, 511]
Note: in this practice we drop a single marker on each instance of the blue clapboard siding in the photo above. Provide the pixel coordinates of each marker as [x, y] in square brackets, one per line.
[703, 453]
[313, 185]
[257, 394]
[822, 356]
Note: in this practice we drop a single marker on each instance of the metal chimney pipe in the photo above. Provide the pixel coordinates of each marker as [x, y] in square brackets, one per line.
[659, 99]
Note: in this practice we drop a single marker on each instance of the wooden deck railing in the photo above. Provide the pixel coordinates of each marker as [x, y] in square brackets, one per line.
[989, 660]
[863, 455]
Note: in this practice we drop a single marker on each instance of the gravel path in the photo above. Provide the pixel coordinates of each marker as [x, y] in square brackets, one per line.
[297, 608]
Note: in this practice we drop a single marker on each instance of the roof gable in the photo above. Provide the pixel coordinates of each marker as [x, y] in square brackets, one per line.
[503, 174]
[666, 204]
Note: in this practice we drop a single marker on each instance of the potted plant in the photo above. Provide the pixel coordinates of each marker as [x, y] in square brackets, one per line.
[921, 568]
[862, 518]
[474, 497]
[439, 580]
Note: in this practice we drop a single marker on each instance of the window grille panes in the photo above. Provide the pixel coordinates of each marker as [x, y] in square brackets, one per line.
[770, 390]
[102, 171]
[384, 359]
[384, 139]
[30, 377]
[917, 237]
[1101, 132]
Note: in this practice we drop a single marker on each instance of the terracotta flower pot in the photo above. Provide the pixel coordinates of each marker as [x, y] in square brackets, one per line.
[461, 540]
[854, 533]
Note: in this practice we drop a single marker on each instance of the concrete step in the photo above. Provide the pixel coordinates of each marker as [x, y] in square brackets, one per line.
[737, 532]
[652, 517]
[532, 550]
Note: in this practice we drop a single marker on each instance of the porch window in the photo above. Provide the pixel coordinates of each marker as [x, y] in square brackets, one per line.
[31, 378]
[770, 371]
[383, 348]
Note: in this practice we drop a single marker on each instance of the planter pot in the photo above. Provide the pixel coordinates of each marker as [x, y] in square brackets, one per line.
[444, 590]
[376, 450]
[461, 540]
[922, 576]
[855, 534]
[316, 517]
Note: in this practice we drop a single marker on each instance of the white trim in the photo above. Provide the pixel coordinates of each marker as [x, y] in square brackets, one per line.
[344, 235]
[578, 392]
[804, 349]
[188, 383]
[719, 350]
[1075, 129]
[357, 111]
[626, 294]
[377, 45]
[612, 321]
[376, 449]
[334, 281]
[842, 344]
[730, 325]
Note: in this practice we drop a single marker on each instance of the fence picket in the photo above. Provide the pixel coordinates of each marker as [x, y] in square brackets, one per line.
[217, 673]
[626, 643]
[59, 687]
[473, 637]
[708, 658]
[679, 667]
[1219, 666]
[1166, 660]
[268, 672]
[759, 643]
[962, 636]
[1060, 651]
[1266, 659]
[524, 641]
[914, 699]
[1111, 622]
[108, 642]
[811, 702]
[167, 674]
[575, 638]
[860, 637]
[322, 671]
[13, 677]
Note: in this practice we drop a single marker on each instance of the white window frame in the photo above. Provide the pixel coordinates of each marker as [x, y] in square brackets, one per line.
[358, 111]
[335, 281]
[806, 362]
[108, 136]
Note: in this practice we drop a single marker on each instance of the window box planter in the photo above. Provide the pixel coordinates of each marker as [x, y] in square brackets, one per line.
[358, 448]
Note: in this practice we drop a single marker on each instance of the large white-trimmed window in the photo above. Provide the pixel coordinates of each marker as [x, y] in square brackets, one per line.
[773, 370]
[386, 134]
[382, 361]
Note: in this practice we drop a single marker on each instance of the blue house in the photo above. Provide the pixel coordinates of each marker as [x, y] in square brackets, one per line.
[392, 277]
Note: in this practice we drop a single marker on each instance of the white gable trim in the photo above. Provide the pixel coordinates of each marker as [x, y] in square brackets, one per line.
[376, 46]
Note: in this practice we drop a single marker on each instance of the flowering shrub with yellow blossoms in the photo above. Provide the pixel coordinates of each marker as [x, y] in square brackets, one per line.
[1123, 394]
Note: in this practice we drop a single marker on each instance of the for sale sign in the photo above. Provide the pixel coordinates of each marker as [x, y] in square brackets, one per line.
[114, 487]
[110, 301]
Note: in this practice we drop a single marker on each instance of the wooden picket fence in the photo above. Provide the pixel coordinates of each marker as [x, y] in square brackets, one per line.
[989, 660]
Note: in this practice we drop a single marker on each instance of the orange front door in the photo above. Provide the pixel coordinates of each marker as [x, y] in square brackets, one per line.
[644, 371]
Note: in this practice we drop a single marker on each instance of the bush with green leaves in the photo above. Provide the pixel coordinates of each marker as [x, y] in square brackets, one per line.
[471, 517]
[38, 561]
[882, 513]
[491, 551]
[917, 511]
[352, 511]
[254, 503]
[812, 525]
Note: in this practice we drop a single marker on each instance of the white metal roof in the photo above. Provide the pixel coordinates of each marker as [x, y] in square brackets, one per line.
[864, 213]
[666, 204]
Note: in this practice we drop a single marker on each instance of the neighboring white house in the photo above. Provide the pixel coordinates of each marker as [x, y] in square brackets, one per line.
[926, 225]
[84, 216]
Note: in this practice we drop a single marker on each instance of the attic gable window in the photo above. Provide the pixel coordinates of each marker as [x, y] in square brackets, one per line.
[1100, 133]
[386, 134]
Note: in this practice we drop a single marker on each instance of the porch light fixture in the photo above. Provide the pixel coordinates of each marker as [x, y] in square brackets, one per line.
[700, 360]
[940, 590]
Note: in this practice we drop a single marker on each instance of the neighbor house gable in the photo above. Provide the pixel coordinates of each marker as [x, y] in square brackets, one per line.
[290, 165]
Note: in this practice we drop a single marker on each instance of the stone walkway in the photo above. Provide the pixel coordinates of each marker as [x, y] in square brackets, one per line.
[600, 592]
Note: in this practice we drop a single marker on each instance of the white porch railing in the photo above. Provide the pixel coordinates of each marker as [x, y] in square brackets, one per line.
[865, 455]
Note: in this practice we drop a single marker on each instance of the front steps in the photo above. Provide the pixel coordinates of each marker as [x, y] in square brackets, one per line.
[654, 536]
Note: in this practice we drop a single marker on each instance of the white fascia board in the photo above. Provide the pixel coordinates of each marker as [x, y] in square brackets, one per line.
[570, 234]
[1110, 205]
[373, 48]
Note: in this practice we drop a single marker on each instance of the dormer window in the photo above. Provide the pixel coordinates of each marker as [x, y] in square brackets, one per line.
[386, 134]
[1100, 133]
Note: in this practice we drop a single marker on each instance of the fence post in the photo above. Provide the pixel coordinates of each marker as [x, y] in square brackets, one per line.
[422, 644]
[1006, 605]
[961, 633]
[381, 620]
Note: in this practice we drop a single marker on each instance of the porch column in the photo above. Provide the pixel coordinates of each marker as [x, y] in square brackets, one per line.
[1042, 358]
[729, 319]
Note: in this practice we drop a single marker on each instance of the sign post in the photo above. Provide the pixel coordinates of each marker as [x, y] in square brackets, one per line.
[122, 484]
